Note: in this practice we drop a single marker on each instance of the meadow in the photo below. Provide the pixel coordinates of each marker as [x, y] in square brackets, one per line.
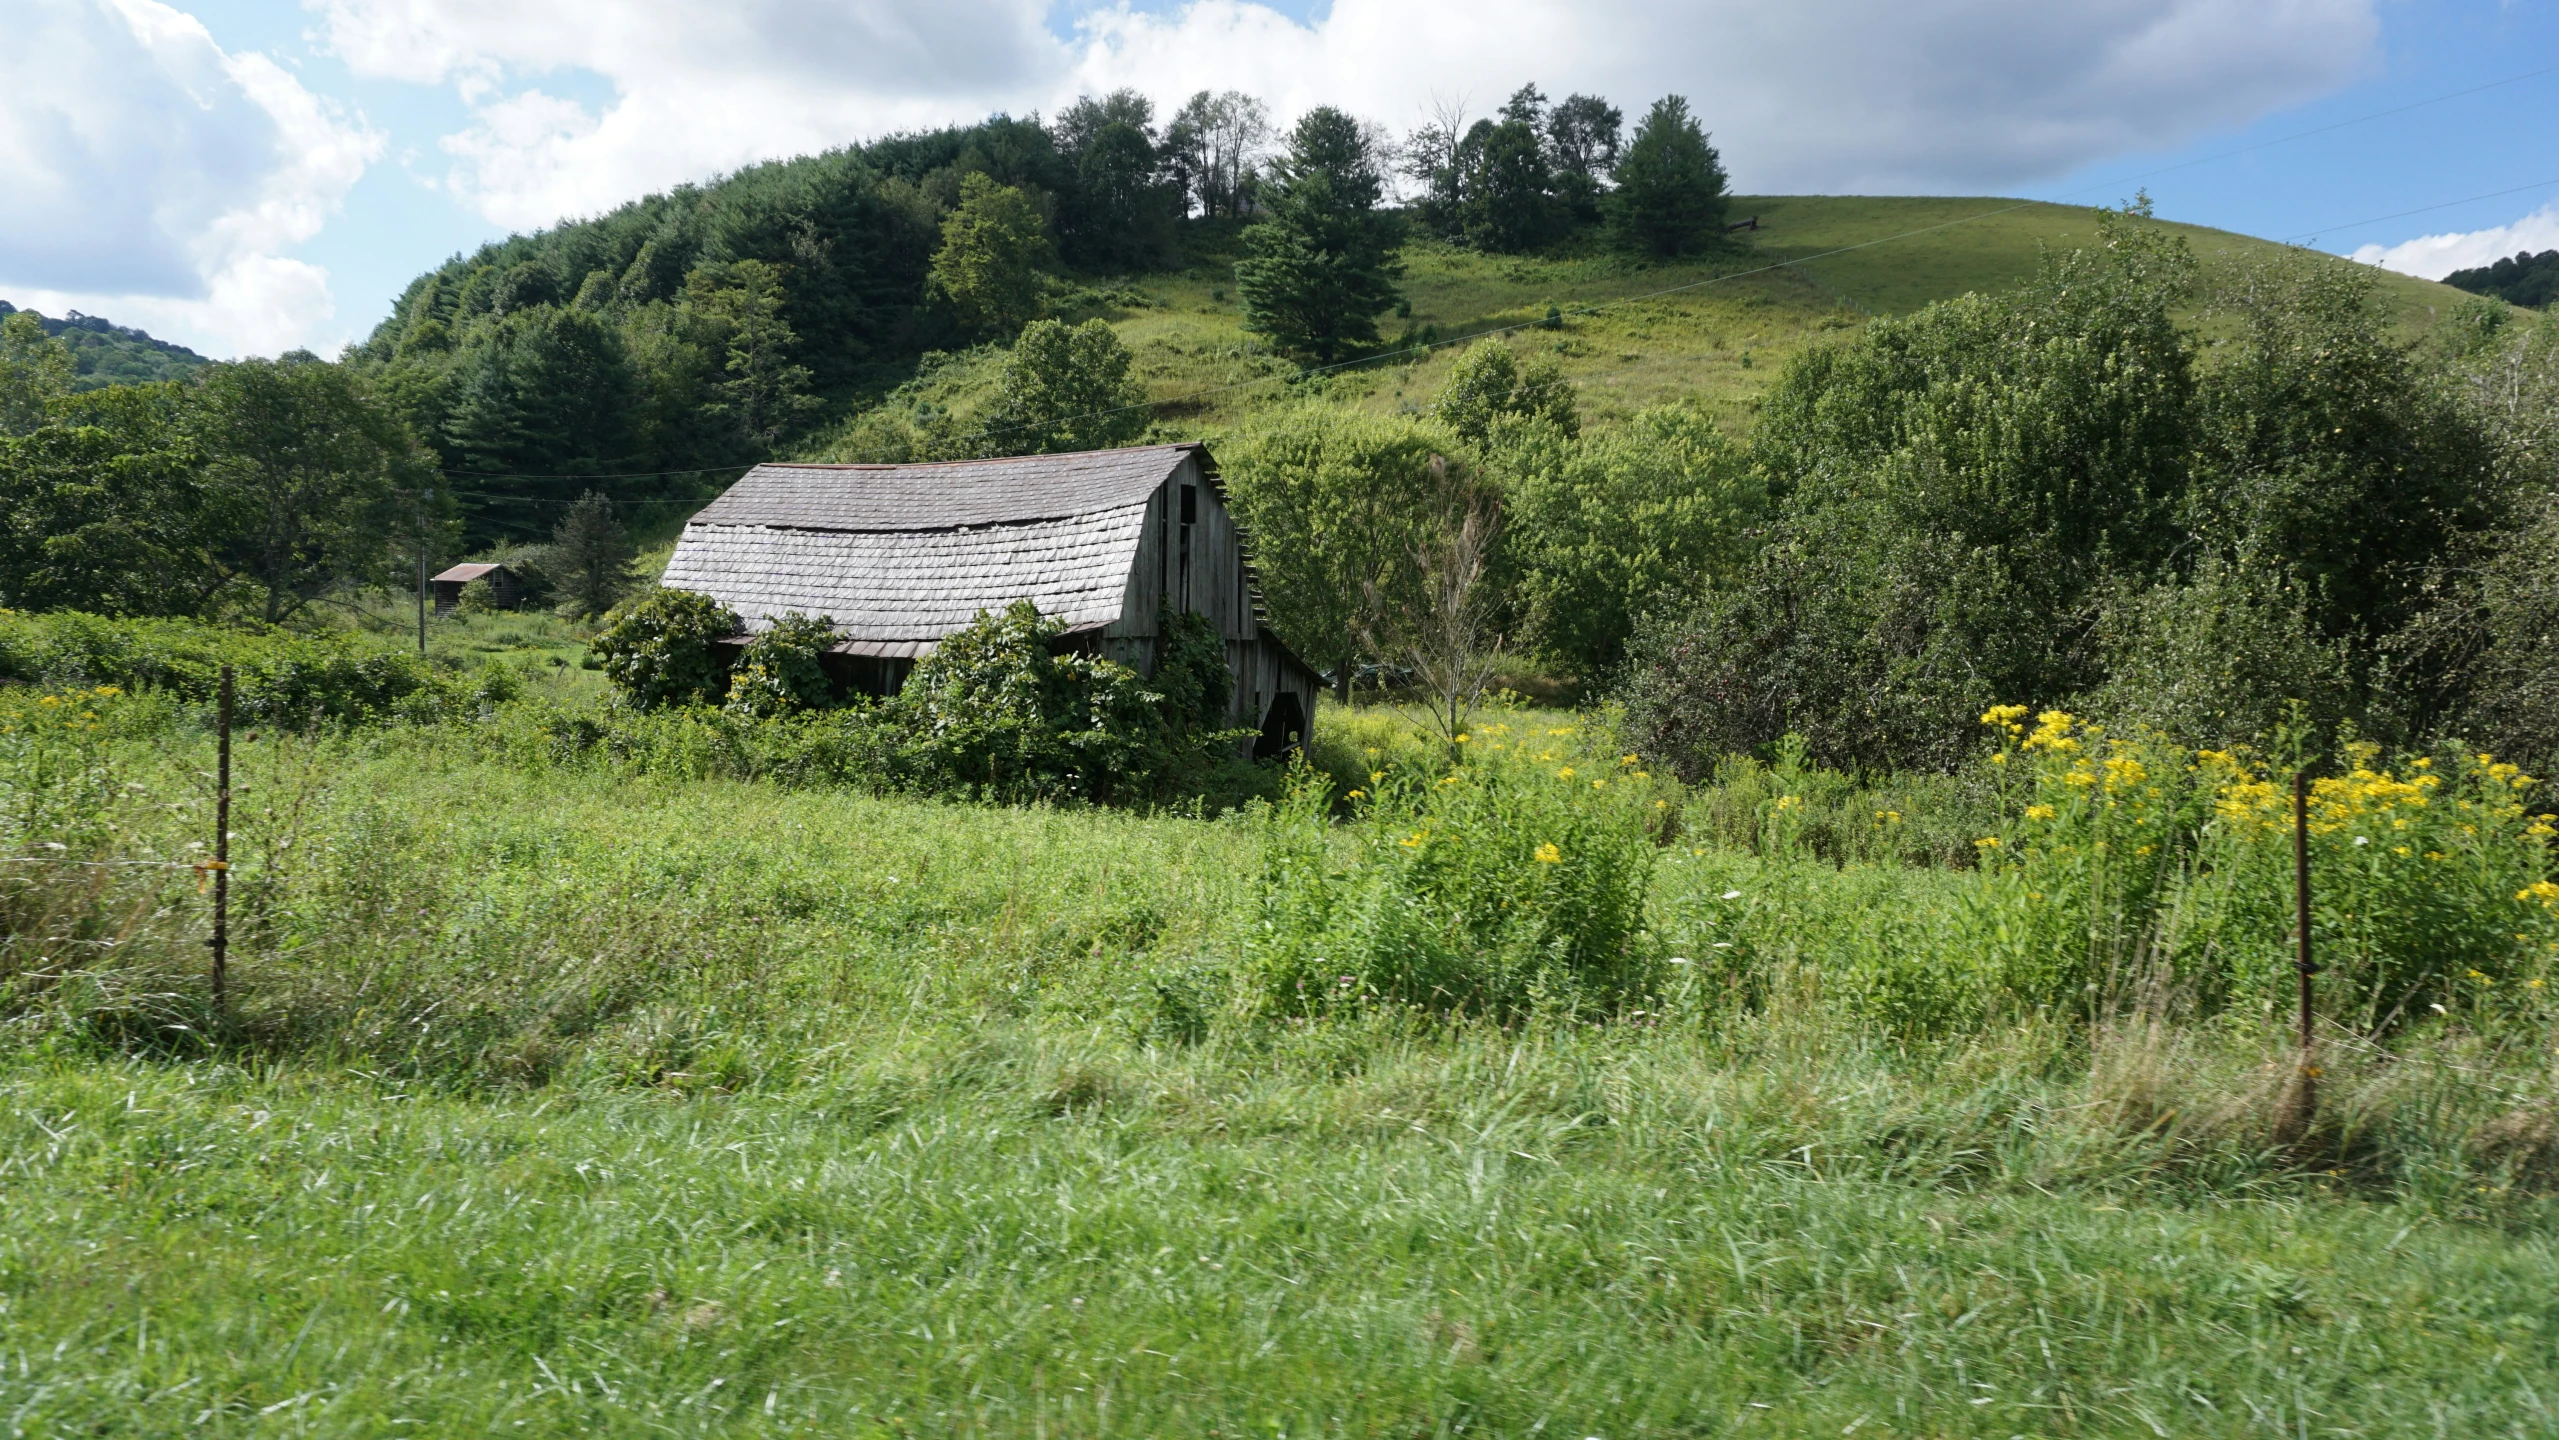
[1714, 332]
[612, 1095]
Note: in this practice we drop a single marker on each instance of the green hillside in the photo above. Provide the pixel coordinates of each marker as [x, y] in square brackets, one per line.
[1632, 335]
[106, 353]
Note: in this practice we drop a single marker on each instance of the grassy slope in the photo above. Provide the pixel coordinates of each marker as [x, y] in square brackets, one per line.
[1718, 343]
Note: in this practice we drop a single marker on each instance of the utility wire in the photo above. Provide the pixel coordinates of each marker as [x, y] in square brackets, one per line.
[2426, 209]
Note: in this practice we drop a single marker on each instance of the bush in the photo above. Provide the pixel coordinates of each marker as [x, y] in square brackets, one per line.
[282, 678]
[995, 709]
[2129, 861]
[778, 672]
[1488, 385]
[1603, 529]
[663, 649]
[1514, 881]
[1961, 488]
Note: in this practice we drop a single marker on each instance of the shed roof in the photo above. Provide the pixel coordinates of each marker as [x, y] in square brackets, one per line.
[465, 574]
[946, 496]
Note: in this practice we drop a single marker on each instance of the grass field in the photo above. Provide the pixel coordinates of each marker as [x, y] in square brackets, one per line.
[577, 1101]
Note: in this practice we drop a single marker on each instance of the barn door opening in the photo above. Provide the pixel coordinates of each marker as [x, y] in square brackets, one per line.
[1283, 727]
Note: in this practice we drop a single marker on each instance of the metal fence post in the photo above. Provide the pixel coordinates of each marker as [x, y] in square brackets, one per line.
[221, 941]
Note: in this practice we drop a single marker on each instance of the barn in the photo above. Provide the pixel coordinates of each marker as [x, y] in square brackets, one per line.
[898, 556]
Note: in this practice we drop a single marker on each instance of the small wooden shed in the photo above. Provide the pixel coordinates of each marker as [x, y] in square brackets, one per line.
[503, 586]
[898, 556]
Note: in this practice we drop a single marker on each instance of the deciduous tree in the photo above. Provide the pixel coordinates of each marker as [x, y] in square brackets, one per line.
[1066, 389]
[993, 247]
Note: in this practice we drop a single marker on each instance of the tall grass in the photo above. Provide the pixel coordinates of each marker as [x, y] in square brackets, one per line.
[570, 1097]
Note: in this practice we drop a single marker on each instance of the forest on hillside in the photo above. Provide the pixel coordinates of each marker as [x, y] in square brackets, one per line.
[719, 324]
[2525, 279]
[104, 353]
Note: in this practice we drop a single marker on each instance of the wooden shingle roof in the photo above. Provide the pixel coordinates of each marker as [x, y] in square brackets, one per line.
[899, 556]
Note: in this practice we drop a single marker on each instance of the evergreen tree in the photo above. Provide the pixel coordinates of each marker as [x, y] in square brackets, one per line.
[764, 392]
[589, 557]
[542, 398]
[1321, 264]
[1670, 196]
[993, 246]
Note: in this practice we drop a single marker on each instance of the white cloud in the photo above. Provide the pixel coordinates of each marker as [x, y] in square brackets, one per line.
[2435, 256]
[1837, 95]
[155, 178]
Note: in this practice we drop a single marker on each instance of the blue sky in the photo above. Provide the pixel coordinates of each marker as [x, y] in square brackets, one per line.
[247, 175]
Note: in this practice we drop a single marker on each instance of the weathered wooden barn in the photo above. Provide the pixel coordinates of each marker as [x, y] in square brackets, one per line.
[898, 556]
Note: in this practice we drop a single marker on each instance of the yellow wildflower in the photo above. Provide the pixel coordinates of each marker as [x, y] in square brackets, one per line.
[1987, 842]
[1547, 854]
[2039, 812]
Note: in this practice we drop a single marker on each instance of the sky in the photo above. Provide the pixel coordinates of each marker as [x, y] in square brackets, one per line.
[250, 176]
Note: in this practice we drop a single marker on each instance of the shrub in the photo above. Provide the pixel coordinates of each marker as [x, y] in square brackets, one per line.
[1192, 675]
[1488, 384]
[282, 678]
[1961, 487]
[1513, 881]
[663, 649]
[778, 672]
[2130, 853]
[1607, 527]
[996, 709]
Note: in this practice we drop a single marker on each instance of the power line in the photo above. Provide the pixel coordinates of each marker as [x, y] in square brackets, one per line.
[2426, 209]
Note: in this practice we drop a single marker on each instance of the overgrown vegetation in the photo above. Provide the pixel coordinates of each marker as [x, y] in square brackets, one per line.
[796, 1076]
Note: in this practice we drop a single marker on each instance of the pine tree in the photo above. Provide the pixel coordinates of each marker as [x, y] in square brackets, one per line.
[590, 557]
[1670, 187]
[1321, 265]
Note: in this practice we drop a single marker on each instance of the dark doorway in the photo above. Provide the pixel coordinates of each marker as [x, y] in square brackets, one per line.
[1283, 729]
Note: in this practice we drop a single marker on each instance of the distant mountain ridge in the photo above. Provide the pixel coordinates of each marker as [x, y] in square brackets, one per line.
[106, 353]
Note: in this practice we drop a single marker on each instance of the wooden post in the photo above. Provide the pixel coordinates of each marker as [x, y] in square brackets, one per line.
[221, 941]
